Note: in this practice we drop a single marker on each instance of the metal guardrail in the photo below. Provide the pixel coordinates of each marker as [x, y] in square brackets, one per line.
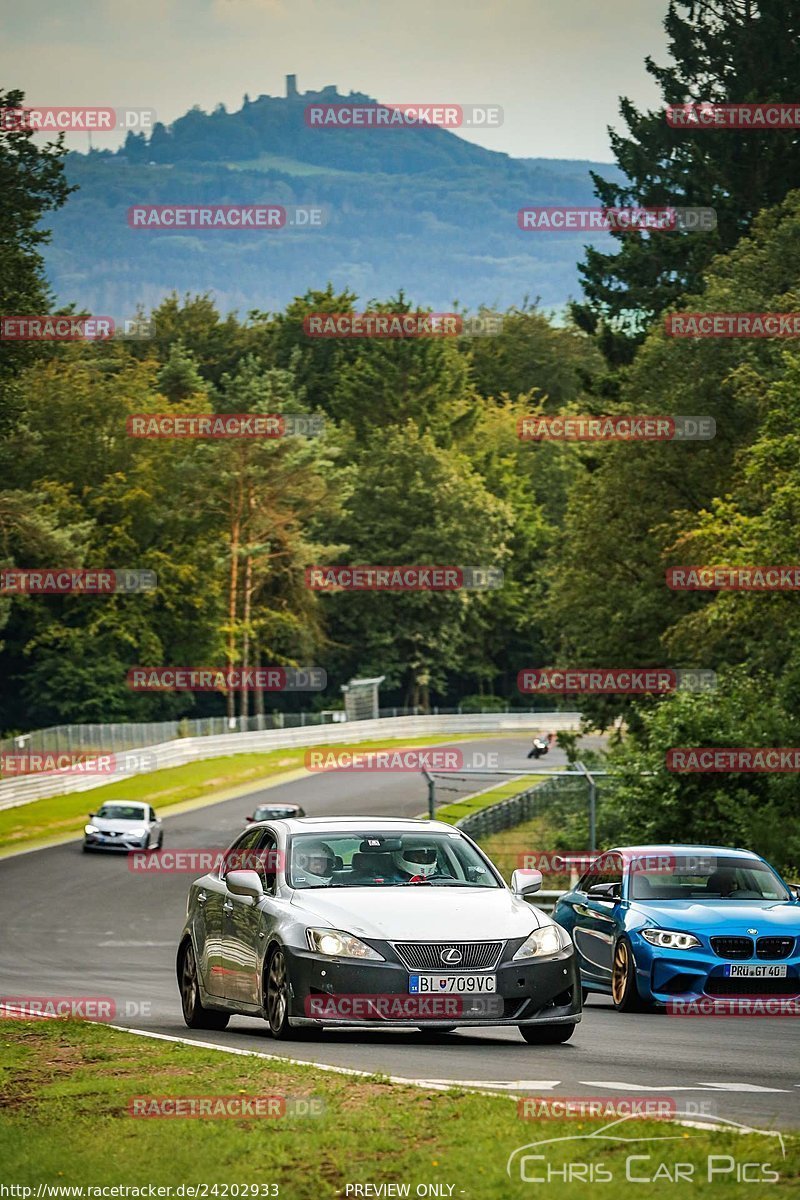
[114, 738]
[494, 818]
[25, 789]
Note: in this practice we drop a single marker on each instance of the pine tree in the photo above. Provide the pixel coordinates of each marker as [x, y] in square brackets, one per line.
[723, 51]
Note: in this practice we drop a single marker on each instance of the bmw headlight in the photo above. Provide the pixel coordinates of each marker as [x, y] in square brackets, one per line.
[547, 940]
[339, 944]
[670, 939]
[91, 829]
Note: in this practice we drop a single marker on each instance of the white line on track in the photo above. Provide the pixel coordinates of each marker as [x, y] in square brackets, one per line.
[670, 1087]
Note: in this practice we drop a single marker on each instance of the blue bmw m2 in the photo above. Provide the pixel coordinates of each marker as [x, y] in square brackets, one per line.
[658, 924]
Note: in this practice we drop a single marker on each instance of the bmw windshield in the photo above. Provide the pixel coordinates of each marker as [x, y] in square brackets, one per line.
[704, 877]
[386, 860]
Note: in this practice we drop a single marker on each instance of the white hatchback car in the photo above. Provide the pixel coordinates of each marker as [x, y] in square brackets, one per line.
[123, 825]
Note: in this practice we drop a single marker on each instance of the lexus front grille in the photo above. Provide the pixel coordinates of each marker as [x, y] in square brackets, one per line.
[449, 956]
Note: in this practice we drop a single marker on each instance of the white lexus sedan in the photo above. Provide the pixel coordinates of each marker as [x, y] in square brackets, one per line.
[367, 921]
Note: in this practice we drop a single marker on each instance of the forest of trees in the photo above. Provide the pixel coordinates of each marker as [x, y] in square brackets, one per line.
[420, 462]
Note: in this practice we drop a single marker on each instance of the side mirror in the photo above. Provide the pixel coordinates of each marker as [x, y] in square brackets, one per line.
[248, 818]
[91, 815]
[795, 887]
[525, 883]
[244, 883]
[605, 891]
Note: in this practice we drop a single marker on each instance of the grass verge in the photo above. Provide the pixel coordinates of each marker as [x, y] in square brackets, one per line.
[64, 1120]
[470, 804]
[223, 778]
[506, 849]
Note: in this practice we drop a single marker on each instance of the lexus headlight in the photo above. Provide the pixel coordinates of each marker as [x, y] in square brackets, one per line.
[91, 829]
[670, 939]
[547, 940]
[339, 944]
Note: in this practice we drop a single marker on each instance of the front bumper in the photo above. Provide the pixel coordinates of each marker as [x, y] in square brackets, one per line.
[94, 841]
[665, 975]
[338, 991]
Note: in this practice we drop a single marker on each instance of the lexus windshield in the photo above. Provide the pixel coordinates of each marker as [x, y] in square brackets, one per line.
[380, 860]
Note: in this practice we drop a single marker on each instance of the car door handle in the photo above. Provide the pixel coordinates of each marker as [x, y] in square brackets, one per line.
[201, 897]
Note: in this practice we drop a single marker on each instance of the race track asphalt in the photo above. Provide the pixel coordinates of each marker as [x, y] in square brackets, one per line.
[86, 925]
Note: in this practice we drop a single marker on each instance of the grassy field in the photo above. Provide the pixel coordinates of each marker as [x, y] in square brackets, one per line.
[508, 848]
[215, 778]
[65, 1119]
[463, 808]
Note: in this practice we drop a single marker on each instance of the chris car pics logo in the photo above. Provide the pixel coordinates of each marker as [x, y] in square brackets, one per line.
[632, 1158]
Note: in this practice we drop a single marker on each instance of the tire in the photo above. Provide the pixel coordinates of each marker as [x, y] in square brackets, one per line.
[194, 1015]
[547, 1035]
[585, 994]
[160, 841]
[624, 991]
[276, 995]
[276, 1002]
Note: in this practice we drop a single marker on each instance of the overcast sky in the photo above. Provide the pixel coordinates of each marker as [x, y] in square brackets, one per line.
[557, 67]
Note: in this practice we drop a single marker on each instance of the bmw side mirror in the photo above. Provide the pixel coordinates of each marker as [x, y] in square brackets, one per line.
[525, 883]
[605, 891]
[244, 883]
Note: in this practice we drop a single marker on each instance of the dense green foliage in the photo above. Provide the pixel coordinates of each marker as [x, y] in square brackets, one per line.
[420, 461]
[722, 51]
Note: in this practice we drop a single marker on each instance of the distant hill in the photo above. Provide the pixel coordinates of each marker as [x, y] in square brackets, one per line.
[419, 209]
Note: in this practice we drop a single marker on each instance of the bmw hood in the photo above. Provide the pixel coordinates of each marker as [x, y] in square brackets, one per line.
[723, 916]
[419, 913]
